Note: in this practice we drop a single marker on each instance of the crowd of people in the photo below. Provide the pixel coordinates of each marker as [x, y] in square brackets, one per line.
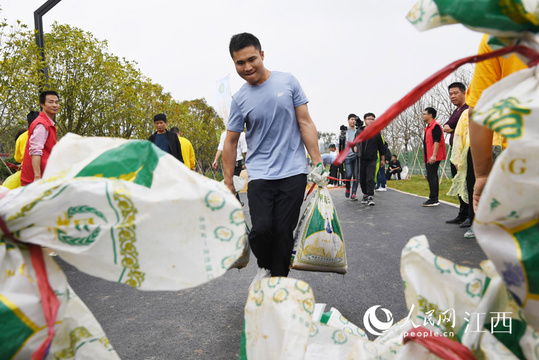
[365, 164]
[368, 164]
[270, 113]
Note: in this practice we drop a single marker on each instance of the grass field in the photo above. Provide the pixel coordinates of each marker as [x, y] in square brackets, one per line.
[418, 185]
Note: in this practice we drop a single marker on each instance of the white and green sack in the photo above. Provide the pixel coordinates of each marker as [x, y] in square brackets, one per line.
[319, 241]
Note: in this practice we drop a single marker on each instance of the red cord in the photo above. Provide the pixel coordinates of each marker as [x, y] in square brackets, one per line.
[440, 346]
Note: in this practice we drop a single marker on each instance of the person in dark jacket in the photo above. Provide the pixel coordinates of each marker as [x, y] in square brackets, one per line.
[394, 168]
[164, 139]
[370, 149]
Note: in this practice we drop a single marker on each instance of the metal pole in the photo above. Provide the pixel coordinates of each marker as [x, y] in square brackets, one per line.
[38, 21]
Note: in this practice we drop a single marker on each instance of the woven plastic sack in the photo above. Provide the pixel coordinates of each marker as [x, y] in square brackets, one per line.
[470, 308]
[497, 17]
[125, 211]
[506, 222]
[23, 326]
[243, 260]
[277, 319]
[319, 243]
[469, 305]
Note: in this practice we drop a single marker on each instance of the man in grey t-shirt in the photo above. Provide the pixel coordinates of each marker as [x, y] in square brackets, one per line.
[273, 108]
[351, 163]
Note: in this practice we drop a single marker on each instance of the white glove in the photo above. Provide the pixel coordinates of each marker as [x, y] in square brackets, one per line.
[319, 175]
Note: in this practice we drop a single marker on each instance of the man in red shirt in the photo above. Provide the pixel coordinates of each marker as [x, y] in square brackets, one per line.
[41, 138]
[433, 153]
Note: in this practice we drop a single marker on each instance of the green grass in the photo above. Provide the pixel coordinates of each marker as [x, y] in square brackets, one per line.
[418, 185]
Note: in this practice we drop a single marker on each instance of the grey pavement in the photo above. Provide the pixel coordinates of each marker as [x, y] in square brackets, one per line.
[206, 322]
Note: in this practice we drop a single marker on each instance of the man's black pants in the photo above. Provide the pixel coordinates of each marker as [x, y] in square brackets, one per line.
[367, 172]
[390, 172]
[333, 173]
[274, 206]
[463, 208]
[432, 178]
[470, 183]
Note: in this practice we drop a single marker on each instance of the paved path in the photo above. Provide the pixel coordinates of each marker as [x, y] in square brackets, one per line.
[206, 322]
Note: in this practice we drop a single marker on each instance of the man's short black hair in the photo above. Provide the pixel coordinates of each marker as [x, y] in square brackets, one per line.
[332, 146]
[431, 111]
[174, 130]
[160, 117]
[458, 85]
[368, 114]
[393, 155]
[243, 40]
[352, 116]
[43, 95]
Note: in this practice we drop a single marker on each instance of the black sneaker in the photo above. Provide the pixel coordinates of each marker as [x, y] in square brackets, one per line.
[457, 220]
[365, 199]
[370, 201]
[431, 203]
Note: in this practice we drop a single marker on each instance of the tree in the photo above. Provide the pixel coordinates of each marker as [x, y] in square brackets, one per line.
[19, 77]
[405, 132]
[200, 124]
[97, 89]
[100, 94]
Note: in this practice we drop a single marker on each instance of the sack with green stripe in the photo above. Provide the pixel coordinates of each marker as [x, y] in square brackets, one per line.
[506, 222]
[319, 240]
[502, 18]
[125, 211]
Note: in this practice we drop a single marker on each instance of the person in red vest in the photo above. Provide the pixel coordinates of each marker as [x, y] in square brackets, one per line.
[41, 138]
[433, 153]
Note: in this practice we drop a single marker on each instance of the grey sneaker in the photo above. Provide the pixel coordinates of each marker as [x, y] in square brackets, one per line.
[469, 234]
[365, 199]
[370, 201]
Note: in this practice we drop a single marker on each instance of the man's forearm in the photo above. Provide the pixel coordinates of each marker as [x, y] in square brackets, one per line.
[481, 147]
[217, 155]
[36, 166]
[229, 157]
[309, 136]
[435, 149]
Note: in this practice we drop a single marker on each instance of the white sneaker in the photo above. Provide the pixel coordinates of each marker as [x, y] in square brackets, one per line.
[261, 274]
[382, 189]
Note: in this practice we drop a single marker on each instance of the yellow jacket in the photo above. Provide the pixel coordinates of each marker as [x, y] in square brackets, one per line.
[20, 145]
[188, 153]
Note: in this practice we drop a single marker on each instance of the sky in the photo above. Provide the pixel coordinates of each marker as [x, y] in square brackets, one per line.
[350, 56]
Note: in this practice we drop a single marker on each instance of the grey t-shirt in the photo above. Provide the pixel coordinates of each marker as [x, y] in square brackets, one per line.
[351, 135]
[275, 149]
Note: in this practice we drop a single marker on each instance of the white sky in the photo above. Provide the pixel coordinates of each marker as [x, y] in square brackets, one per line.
[349, 55]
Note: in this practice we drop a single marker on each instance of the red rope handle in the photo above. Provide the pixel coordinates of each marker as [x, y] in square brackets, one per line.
[334, 178]
[413, 96]
[440, 346]
[49, 300]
